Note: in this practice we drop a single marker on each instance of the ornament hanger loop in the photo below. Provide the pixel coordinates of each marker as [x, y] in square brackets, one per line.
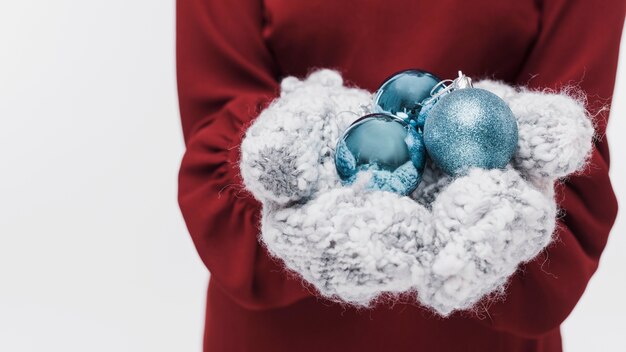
[446, 84]
[449, 85]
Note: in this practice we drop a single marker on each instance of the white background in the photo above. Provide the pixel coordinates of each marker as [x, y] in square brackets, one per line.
[94, 255]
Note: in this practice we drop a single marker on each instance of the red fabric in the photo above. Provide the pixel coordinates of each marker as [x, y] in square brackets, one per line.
[232, 53]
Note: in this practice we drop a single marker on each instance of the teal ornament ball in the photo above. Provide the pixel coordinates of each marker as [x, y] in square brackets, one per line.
[470, 127]
[402, 94]
[390, 148]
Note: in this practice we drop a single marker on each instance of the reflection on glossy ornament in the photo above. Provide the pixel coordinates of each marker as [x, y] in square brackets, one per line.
[403, 93]
[385, 145]
[470, 127]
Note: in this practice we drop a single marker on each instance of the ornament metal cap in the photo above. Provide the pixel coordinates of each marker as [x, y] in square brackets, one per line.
[462, 81]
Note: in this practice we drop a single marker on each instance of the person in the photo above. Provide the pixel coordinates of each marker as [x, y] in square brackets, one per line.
[231, 56]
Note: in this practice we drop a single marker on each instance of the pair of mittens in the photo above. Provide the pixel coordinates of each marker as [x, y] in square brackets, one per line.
[452, 241]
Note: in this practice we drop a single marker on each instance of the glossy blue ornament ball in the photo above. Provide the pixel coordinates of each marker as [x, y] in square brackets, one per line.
[470, 127]
[402, 94]
[385, 145]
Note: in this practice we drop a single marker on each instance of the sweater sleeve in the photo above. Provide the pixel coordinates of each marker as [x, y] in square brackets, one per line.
[225, 76]
[577, 46]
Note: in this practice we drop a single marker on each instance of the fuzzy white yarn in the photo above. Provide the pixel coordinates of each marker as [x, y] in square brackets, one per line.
[555, 133]
[286, 154]
[453, 241]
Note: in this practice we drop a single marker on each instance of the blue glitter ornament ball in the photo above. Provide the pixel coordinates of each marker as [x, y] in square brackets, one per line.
[385, 145]
[470, 127]
[401, 95]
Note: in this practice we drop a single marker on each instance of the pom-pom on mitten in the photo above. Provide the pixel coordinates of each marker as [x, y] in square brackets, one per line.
[452, 240]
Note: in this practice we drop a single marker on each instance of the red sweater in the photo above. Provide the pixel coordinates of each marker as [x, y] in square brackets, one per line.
[231, 56]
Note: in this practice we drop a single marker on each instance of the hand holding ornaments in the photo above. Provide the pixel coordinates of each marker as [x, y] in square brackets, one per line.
[455, 238]
[460, 126]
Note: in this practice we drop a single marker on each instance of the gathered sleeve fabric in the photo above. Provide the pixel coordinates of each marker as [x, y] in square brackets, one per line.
[226, 75]
[577, 47]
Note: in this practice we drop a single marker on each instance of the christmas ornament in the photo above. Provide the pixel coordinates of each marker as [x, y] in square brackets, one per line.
[387, 146]
[469, 127]
[402, 94]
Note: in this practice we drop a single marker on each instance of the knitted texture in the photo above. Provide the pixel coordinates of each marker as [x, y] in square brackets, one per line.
[451, 242]
[287, 152]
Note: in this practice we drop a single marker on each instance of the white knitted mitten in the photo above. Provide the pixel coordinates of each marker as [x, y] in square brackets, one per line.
[453, 241]
[287, 154]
